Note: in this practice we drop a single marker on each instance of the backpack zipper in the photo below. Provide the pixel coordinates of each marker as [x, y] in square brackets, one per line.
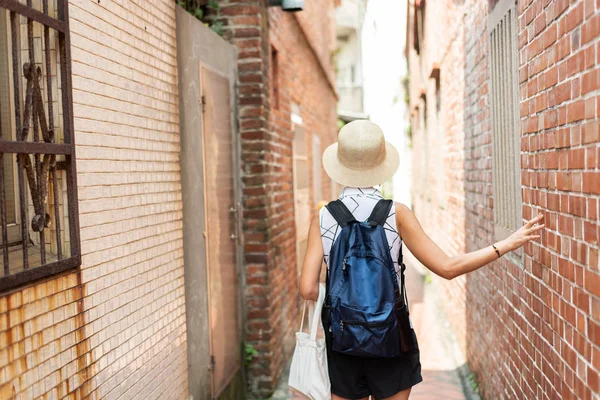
[369, 324]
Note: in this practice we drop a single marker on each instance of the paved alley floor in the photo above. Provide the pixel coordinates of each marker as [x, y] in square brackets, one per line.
[439, 361]
[439, 364]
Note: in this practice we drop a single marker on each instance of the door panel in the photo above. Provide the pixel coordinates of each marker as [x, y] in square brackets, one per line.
[220, 228]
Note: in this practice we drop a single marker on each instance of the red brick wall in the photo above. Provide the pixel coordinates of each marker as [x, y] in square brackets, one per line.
[529, 332]
[271, 287]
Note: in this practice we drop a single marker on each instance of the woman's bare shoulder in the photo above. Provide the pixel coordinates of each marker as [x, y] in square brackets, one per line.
[402, 209]
[403, 214]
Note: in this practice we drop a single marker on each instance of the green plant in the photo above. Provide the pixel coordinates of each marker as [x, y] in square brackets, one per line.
[249, 353]
[200, 13]
[218, 28]
[473, 381]
[406, 85]
[427, 278]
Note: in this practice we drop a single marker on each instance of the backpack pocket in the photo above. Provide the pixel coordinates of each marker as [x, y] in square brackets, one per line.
[365, 333]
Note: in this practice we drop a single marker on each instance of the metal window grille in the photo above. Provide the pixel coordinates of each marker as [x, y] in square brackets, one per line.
[504, 95]
[38, 181]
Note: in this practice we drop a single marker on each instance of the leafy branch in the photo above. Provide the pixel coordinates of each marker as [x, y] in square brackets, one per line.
[201, 11]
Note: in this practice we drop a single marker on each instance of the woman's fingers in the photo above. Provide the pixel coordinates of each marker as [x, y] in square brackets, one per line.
[532, 237]
[534, 220]
[535, 228]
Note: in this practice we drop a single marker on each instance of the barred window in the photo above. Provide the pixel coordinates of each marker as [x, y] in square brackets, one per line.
[504, 95]
[38, 196]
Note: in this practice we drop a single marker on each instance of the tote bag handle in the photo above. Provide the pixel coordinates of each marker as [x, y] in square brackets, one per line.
[314, 313]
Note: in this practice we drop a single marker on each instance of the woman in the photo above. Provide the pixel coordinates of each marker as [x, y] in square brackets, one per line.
[360, 160]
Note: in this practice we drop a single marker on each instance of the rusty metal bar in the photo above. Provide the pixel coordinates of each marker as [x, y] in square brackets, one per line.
[48, 70]
[36, 154]
[17, 98]
[61, 13]
[56, 215]
[24, 133]
[3, 214]
[51, 128]
[28, 276]
[37, 109]
[34, 15]
[3, 209]
[67, 98]
[32, 148]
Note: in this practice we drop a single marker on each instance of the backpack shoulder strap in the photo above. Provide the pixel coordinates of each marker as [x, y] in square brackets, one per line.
[381, 211]
[403, 295]
[340, 212]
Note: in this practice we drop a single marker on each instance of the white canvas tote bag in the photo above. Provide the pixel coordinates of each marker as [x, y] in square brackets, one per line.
[308, 373]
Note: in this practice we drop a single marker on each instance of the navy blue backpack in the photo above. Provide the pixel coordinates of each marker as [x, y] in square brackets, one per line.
[365, 313]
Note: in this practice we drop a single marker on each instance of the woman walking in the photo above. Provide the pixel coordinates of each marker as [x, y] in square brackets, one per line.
[371, 347]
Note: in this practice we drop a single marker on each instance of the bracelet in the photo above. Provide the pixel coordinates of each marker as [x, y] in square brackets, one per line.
[496, 249]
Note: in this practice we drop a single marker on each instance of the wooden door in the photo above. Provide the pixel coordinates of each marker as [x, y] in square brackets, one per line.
[225, 329]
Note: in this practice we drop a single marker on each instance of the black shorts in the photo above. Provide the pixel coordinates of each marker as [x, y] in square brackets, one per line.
[356, 377]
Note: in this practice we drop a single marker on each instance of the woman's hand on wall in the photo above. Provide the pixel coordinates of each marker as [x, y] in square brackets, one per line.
[529, 231]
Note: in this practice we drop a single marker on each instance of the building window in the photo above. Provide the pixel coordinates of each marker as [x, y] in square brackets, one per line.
[419, 25]
[38, 193]
[438, 130]
[504, 96]
[425, 150]
[274, 78]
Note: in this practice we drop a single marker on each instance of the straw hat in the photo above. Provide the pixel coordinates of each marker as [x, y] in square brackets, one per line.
[361, 157]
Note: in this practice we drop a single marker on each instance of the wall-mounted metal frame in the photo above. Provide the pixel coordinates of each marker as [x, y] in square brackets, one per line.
[41, 161]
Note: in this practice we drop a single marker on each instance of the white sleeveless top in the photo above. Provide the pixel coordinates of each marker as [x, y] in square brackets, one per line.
[360, 201]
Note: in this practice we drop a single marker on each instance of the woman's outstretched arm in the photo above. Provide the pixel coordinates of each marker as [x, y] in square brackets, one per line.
[435, 259]
[313, 260]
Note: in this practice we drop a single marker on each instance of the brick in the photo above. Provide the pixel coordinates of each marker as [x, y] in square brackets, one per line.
[576, 111]
[591, 182]
[239, 9]
[246, 32]
[591, 81]
[550, 36]
[590, 29]
[575, 16]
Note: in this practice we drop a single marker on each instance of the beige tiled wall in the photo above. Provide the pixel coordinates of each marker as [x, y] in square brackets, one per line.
[116, 329]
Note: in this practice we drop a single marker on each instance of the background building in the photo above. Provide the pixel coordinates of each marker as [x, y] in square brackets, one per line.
[504, 115]
[349, 20]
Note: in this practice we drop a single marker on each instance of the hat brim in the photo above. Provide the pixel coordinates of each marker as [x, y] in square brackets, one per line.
[361, 177]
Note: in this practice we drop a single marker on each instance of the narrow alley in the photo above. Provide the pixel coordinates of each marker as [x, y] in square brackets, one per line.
[160, 162]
